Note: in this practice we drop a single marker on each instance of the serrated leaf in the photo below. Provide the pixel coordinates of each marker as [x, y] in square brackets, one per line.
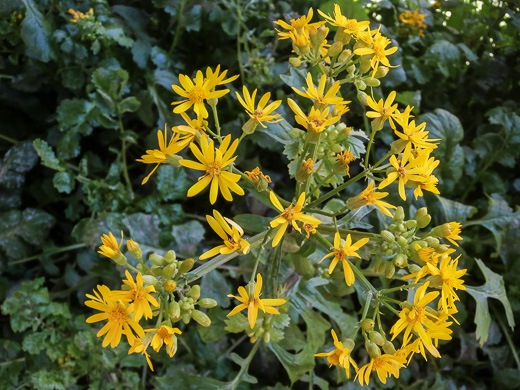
[455, 211]
[492, 288]
[36, 33]
[74, 114]
[215, 286]
[172, 182]
[110, 81]
[16, 162]
[47, 155]
[188, 236]
[296, 78]
[252, 222]
[129, 104]
[144, 228]
[64, 182]
[445, 126]
[35, 342]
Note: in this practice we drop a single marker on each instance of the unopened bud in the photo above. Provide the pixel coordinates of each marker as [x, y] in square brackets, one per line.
[364, 66]
[360, 84]
[376, 337]
[266, 337]
[413, 268]
[194, 292]
[344, 56]
[431, 241]
[388, 347]
[201, 318]
[400, 260]
[402, 242]
[362, 97]
[156, 271]
[170, 285]
[295, 61]
[399, 215]
[372, 82]
[388, 236]
[372, 349]
[390, 270]
[381, 72]
[335, 49]
[156, 259]
[170, 256]
[169, 271]
[420, 212]
[424, 221]
[186, 317]
[174, 310]
[367, 324]
[186, 265]
[213, 102]
[149, 280]
[134, 249]
[207, 303]
[410, 224]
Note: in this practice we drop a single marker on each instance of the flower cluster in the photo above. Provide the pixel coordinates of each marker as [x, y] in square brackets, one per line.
[415, 20]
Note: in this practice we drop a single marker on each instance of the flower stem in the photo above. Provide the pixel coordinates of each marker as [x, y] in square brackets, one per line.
[123, 150]
[46, 253]
[332, 230]
[245, 366]
[367, 305]
[399, 288]
[333, 192]
[5, 137]
[217, 124]
[260, 251]
[370, 142]
[314, 157]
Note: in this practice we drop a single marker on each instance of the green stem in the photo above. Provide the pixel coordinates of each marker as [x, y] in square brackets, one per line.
[46, 253]
[9, 139]
[178, 28]
[123, 150]
[390, 307]
[217, 124]
[334, 191]
[330, 230]
[12, 361]
[239, 49]
[323, 181]
[367, 305]
[318, 211]
[390, 152]
[370, 142]
[306, 146]
[505, 331]
[245, 366]
[314, 157]
[399, 288]
[385, 298]
[257, 259]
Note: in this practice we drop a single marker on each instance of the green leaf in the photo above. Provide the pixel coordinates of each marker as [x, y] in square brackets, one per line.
[193, 18]
[17, 161]
[64, 182]
[74, 114]
[36, 33]
[18, 229]
[252, 223]
[445, 126]
[296, 365]
[144, 229]
[492, 288]
[410, 98]
[130, 104]
[444, 55]
[455, 211]
[499, 219]
[172, 182]
[110, 82]
[215, 286]
[89, 230]
[47, 155]
[188, 236]
[296, 78]
[34, 343]
[216, 331]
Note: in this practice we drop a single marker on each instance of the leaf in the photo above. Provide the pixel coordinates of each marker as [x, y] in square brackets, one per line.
[34, 343]
[188, 236]
[47, 155]
[410, 98]
[144, 228]
[444, 55]
[296, 78]
[74, 114]
[445, 126]
[492, 288]
[130, 104]
[252, 223]
[172, 182]
[455, 211]
[110, 82]
[89, 230]
[18, 160]
[499, 219]
[296, 365]
[64, 182]
[18, 229]
[215, 286]
[36, 33]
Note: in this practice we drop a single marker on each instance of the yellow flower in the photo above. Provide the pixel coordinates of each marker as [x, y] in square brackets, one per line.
[230, 232]
[260, 114]
[382, 111]
[256, 175]
[250, 300]
[139, 295]
[449, 231]
[369, 196]
[80, 15]
[213, 161]
[199, 89]
[428, 182]
[341, 254]
[309, 228]
[384, 365]
[378, 52]
[416, 318]
[165, 335]
[321, 99]
[404, 170]
[110, 247]
[448, 279]
[429, 256]
[117, 312]
[341, 355]
[345, 25]
[195, 128]
[290, 215]
[166, 151]
[316, 121]
[297, 25]
[413, 18]
[344, 160]
[138, 347]
[415, 136]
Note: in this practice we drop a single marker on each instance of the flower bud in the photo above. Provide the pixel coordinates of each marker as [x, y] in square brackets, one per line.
[194, 292]
[364, 66]
[266, 337]
[213, 102]
[156, 259]
[317, 36]
[149, 280]
[400, 260]
[201, 318]
[186, 317]
[169, 271]
[381, 72]
[335, 49]
[431, 241]
[120, 259]
[174, 310]
[420, 212]
[410, 224]
[134, 249]
[387, 236]
[360, 84]
[362, 97]
[413, 268]
[388, 347]
[372, 349]
[295, 61]
[371, 82]
[402, 242]
[349, 343]
[367, 324]
[424, 221]
[207, 303]
[156, 271]
[399, 215]
[170, 285]
[186, 265]
[170, 256]
[390, 270]
[376, 338]
[344, 56]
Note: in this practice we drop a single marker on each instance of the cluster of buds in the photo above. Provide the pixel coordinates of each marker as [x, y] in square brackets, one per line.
[184, 308]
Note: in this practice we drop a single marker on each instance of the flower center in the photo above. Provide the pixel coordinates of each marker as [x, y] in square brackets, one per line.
[288, 214]
[401, 172]
[196, 95]
[213, 169]
[258, 113]
[417, 314]
[163, 333]
[351, 26]
[377, 363]
[118, 314]
[379, 50]
[316, 122]
[340, 254]
[138, 294]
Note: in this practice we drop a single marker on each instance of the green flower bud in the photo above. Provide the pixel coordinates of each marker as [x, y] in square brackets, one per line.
[195, 292]
[344, 56]
[388, 347]
[139, 267]
[413, 268]
[295, 61]
[431, 241]
[186, 266]
[388, 236]
[186, 317]
[381, 72]
[156, 259]
[372, 349]
[399, 215]
[364, 66]
[402, 242]
[156, 271]
[400, 260]
[421, 243]
[335, 49]
[349, 343]
[169, 271]
[362, 97]
[381, 267]
[207, 303]
[360, 84]
[149, 280]
[424, 221]
[174, 310]
[420, 212]
[367, 324]
[376, 338]
[170, 257]
[372, 82]
[134, 249]
[390, 270]
[401, 228]
[201, 318]
[410, 224]
[266, 337]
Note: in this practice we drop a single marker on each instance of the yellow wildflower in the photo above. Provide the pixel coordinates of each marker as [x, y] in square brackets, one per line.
[195, 128]
[138, 347]
[414, 136]
[341, 355]
[384, 365]
[260, 114]
[341, 254]
[345, 25]
[250, 300]
[414, 19]
[369, 196]
[80, 15]
[165, 335]
[117, 312]
[321, 99]
[448, 279]
[290, 215]
[213, 161]
[139, 295]
[297, 25]
[110, 247]
[382, 111]
[165, 152]
[309, 228]
[344, 160]
[230, 232]
[256, 175]
[316, 121]
[449, 231]
[378, 52]
[404, 170]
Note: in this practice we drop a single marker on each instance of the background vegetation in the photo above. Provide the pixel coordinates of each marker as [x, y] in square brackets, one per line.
[82, 101]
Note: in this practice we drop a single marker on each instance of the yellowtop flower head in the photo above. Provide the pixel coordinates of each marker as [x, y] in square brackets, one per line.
[230, 232]
[317, 120]
[213, 161]
[297, 25]
[250, 300]
[110, 247]
[369, 196]
[290, 215]
[341, 355]
[378, 52]
[262, 112]
[256, 175]
[448, 279]
[384, 365]
[404, 170]
[321, 99]
[345, 25]
[341, 254]
[139, 295]
[165, 335]
[382, 111]
[194, 130]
